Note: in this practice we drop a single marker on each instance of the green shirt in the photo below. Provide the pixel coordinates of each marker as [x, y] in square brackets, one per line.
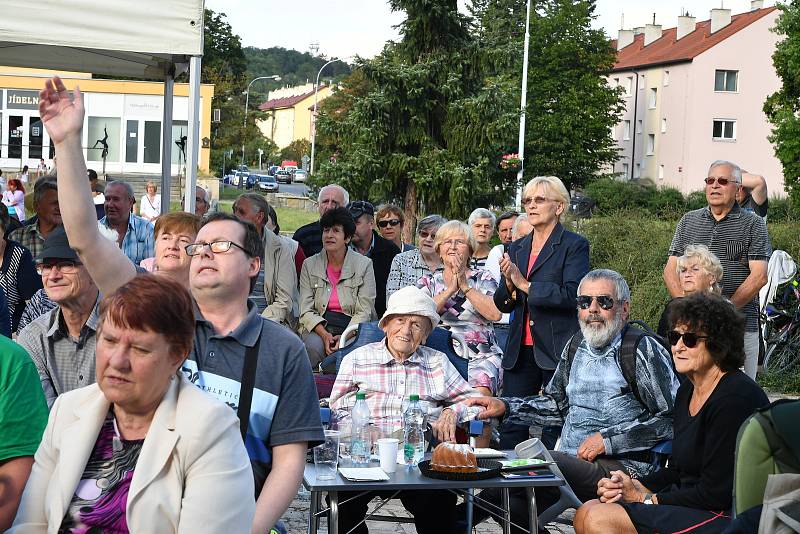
[23, 410]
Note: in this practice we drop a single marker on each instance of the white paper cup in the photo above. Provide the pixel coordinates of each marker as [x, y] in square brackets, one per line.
[387, 449]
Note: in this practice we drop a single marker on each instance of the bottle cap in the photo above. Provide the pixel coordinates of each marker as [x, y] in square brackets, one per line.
[413, 398]
[361, 396]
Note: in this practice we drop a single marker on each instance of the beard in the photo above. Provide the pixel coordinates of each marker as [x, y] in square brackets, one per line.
[600, 334]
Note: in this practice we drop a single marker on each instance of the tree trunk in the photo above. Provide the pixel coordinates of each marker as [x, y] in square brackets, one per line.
[410, 211]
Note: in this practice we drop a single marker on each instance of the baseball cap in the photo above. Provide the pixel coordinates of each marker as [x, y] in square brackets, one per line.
[360, 207]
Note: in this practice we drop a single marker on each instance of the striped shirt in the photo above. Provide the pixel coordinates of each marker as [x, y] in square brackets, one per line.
[388, 384]
[63, 363]
[138, 243]
[739, 238]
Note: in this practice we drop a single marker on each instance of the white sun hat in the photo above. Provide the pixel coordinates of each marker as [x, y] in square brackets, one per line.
[411, 301]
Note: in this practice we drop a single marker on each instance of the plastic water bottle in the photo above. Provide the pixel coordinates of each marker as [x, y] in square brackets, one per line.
[360, 442]
[414, 432]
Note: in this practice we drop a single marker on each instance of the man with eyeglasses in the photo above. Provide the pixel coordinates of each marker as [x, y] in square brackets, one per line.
[367, 242]
[61, 342]
[310, 235]
[610, 419]
[738, 238]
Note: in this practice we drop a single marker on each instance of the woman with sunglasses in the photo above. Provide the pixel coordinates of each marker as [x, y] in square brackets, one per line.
[337, 287]
[463, 298]
[390, 220]
[694, 493]
[410, 266]
[699, 270]
[540, 276]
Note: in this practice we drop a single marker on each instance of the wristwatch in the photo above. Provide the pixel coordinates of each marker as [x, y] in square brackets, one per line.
[648, 498]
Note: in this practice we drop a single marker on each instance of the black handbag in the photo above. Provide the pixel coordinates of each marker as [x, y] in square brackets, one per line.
[336, 322]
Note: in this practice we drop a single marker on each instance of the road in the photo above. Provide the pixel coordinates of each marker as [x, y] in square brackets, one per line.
[293, 189]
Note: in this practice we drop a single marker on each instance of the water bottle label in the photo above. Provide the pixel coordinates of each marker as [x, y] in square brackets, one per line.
[408, 452]
[357, 449]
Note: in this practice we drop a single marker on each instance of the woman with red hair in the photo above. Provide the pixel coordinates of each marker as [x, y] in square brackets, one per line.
[14, 199]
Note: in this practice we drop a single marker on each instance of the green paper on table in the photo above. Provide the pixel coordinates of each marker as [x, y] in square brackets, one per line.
[523, 463]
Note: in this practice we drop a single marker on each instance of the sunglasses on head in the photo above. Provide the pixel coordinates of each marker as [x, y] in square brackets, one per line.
[690, 339]
[605, 302]
[721, 181]
[390, 222]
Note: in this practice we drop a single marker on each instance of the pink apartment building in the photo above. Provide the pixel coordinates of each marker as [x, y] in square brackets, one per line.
[694, 94]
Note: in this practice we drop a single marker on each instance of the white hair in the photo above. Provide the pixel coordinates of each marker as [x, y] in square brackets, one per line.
[342, 190]
[736, 171]
[481, 213]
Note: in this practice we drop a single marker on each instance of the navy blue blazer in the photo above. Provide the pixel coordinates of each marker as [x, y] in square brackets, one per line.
[553, 316]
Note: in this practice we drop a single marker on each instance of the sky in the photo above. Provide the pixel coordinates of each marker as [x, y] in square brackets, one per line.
[344, 28]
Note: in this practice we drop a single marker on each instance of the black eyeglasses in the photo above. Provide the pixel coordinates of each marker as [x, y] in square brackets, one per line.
[217, 247]
[721, 181]
[63, 266]
[390, 222]
[690, 339]
[605, 302]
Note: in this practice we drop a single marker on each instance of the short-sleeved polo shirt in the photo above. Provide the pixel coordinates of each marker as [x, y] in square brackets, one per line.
[738, 238]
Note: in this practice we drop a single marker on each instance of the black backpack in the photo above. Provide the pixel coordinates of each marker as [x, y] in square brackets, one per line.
[632, 334]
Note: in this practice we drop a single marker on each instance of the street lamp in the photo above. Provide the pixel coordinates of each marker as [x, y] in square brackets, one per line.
[522, 105]
[275, 77]
[314, 115]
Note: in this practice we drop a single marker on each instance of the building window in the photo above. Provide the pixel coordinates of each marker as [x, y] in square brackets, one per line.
[726, 80]
[666, 78]
[663, 125]
[724, 130]
[626, 130]
[642, 81]
[653, 97]
[616, 82]
[625, 170]
[651, 144]
[637, 171]
[660, 172]
[639, 126]
[628, 85]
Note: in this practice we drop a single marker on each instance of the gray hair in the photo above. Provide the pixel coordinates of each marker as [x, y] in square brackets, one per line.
[124, 185]
[431, 223]
[206, 194]
[41, 187]
[623, 292]
[736, 171]
[258, 201]
[345, 194]
[707, 260]
[519, 221]
[481, 213]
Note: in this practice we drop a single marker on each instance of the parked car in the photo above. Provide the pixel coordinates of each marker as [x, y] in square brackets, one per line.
[267, 183]
[300, 175]
[283, 176]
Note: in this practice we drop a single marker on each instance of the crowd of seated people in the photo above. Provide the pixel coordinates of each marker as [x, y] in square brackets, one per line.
[127, 322]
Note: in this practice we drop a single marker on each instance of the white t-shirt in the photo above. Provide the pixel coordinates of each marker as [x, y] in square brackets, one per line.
[150, 210]
[493, 266]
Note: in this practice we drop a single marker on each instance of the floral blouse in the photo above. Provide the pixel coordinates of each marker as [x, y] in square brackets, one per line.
[460, 317]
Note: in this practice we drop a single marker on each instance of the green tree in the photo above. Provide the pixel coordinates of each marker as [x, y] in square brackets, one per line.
[296, 150]
[783, 106]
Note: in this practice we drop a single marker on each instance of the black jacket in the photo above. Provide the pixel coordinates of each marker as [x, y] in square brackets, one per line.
[553, 316]
[381, 255]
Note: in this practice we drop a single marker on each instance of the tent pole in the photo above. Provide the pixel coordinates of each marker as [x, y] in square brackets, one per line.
[166, 140]
[193, 136]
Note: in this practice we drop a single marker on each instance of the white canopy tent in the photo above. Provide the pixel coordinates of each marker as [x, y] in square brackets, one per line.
[154, 39]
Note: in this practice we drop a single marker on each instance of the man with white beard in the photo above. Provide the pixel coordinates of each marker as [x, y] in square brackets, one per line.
[611, 417]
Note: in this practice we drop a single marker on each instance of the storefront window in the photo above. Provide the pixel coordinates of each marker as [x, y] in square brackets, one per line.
[103, 135]
[179, 130]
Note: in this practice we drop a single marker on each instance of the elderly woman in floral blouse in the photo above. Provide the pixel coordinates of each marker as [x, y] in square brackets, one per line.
[463, 298]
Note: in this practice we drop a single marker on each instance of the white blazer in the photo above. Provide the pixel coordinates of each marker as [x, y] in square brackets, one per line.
[193, 474]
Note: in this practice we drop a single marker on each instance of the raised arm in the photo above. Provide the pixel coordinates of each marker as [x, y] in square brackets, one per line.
[63, 118]
[757, 186]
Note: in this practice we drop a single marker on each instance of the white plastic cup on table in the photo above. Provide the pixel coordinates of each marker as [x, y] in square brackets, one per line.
[326, 456]
[387, 449]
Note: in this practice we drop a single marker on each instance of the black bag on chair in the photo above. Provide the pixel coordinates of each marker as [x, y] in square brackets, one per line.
[336, 322]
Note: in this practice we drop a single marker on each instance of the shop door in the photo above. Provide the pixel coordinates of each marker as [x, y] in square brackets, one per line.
[152, 142]
[35, 137]
[131, 141]
[15, 137]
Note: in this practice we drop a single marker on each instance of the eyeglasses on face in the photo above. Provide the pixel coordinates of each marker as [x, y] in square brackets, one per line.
[390, 222]
[690, 339]
[585, 301]
[454, 242]
[63, 266]
[217, 247]
[425, 235]
[527, 201]
[721, 181]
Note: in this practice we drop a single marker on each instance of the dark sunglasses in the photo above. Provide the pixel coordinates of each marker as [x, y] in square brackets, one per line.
[390, 222]
[690, 339]
[721, 181]
[605, 302]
